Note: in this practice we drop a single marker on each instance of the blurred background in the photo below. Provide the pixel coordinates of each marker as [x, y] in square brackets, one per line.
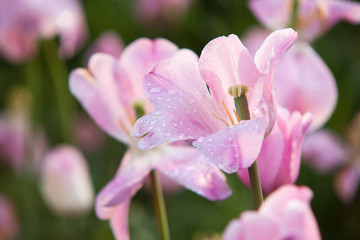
[29, 86]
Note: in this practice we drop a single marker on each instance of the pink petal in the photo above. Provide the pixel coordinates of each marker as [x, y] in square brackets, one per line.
[184, 108]
[141, 56]
[187, 167]
[347, 182]
[252, 226]
[119, 221]
[109, 42]
[225, 62]
[235, 147]
[303, 73]
[86, 89]
[274, 14]
[129, 179]
[324, 150]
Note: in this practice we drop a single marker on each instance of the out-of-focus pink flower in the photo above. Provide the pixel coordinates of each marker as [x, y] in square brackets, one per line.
[314, 17]
[87, 134]
[66, 183]
[301, 73]
[24, 22]
[9, 226]
[280, 155]
[185, 110]
[161, 10]
[347, 182]
[111, 92]
[324, 150]
[109, 42]
[285, 214]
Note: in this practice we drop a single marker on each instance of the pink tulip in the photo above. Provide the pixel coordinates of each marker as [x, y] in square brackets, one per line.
[66, 183]
[301, 73]
[109, 42]
[109, 91]
[161, 10]
[24, 22]
[280, 155]
[314, 17]
[9, 226]
[324, 151]
[285, 214]
[185, 110]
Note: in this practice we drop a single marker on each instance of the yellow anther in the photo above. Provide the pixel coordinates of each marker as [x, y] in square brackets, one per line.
[227, 112]
[220, 119]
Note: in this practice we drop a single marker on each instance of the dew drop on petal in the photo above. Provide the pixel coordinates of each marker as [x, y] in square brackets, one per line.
[172, 91]
[201, 139]
[155, 90]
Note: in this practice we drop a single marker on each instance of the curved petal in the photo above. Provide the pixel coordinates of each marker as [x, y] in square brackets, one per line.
[86, 89]
[302, 73]
[225, 62]
[184, 108]
[275, 14]
[126, 183]
[187, 167]
[119, 221]
[235, 147]
[140, 57]
[324, 151]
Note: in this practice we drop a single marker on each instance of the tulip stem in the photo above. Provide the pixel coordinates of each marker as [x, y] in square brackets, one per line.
[242, 109]
[59, 75]
[159, 206]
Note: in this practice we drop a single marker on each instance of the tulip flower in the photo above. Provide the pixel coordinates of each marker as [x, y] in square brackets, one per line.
[280, 155]
[186, 110]
[313, 17]
[315, 89]
[23, 23]
[9, 226]
[65, 182]
[285, 214]
[111, 92]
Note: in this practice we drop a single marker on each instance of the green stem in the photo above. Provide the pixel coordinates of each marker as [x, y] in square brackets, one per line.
[159, 206]
[156, 190]
[59, 75]
[242, 109]
[294, 12]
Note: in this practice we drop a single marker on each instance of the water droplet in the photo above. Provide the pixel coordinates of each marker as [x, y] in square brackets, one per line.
[201, 139]
[163, 124]
[150, 128]
[155, 90]
[172, 91]
[210, 139]
[230, 139]
[157, 113]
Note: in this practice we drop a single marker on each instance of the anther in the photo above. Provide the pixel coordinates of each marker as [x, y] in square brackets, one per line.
[237, 90]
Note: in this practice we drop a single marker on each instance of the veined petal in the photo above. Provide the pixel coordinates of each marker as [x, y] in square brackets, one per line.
[188, 167]
[86, 89]
[183, 107]
[126, 183]
[225, 62]
[119, 221]
[302, 73]
[235, 147]
[141, 56]
[274, 14]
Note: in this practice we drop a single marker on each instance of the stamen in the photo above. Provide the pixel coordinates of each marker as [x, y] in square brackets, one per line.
[227, 111]
[220, 119]
[237, 116]
[237, 90]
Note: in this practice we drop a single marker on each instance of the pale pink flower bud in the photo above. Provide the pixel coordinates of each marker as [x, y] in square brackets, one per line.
[66, 183]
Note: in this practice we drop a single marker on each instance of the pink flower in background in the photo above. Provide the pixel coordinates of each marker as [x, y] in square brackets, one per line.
[65, 182]
[184, 109]
[280, 155]
[9, 226]
[109, 42]
[314, 17]
[301, 73]
[110, 91]
[24, 22]
[161, 10]
[324, 151]
[285, 214]
[87, 134]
